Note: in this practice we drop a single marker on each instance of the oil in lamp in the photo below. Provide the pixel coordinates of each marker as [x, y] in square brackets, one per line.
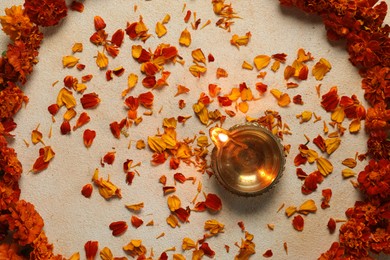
[247, 159]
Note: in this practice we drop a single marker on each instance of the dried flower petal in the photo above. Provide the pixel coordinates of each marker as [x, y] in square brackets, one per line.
[90, 100]
[240, 40]
[261, 61]
[213, 202]
[185, 38]
[174, 203]
[69, 61]
[135, 207]
[91, 248]
[118, 227]
[135, 248]
[307, 207]
[87, 190]
[198, 55]
[88, 137]
[161, 30]
[136, 221]
[298, 223]
[347, 173]
[321, 68]
[188, 244]
[101, 60]
[324, 166]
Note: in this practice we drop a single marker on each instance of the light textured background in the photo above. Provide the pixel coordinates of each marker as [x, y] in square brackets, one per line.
[71, 219]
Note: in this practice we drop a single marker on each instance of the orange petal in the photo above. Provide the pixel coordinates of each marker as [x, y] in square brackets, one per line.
[91, 248]
[261, 61]
[82, 120]
[185, 38]
[89, 136]
[90, 100]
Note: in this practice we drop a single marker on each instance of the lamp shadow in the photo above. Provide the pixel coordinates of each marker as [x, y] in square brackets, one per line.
[246, 205]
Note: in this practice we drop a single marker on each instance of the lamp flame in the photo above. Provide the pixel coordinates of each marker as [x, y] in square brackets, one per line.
[219, 136]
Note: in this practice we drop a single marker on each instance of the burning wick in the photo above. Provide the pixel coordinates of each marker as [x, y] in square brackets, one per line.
[220, 137]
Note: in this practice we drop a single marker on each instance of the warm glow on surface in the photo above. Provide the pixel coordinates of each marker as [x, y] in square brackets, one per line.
[219, 136]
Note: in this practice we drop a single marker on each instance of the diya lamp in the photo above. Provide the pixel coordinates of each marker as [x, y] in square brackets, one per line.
[247, 159]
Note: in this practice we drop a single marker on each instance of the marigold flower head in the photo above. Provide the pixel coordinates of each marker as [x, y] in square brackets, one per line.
[15, 23]
[375, 179]
[10, 167]
[9, 251]
[25, 222]
[12, 98]
[9, 193]
[354, 236]
[45, 12]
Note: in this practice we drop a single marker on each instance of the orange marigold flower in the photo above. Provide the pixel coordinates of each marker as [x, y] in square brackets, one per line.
[354, 236]
[25, 222]
[9, 251]
[15, 22]
[22, 59]
[10, 166]
[375, 179]
[42, 249]
[377, 117]
[376, 84]
[9, 194]
[45, 12]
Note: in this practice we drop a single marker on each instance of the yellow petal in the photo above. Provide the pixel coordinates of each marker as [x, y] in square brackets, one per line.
[284, 100]
[234, 94]
[275, 66]
[106, 254]
[307, 207]
[75, 256]
[321, 68]
[240, 40]
[161, 30]
[261, 61]
[214, 226]
[202, 141]
[178, 257]
[135, 207]
[290, 211]
[132, 80]
[324, 166]
[69, 61]
[77, 47]
[243, 107]
[170, 122]
[354, 126]
[136, 51]
[188, 244]
[184, 151]
[36, 136]
[157, 144]
[332, 144]
[247, 66]
[185, 38]
[246, 94]
[305, 116]
[69, 114]
[48, 154]
[338, 115]
[101, 60]
[166, 19]
[348, 173]
[197, 70]
[349, 162]
[65, 97]
[198, 55]
[172, 221]
[174, 203]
